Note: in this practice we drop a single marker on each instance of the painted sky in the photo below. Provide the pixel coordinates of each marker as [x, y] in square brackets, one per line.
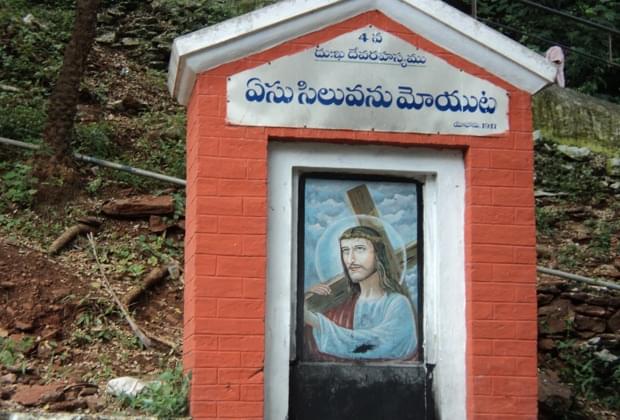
[327, 214]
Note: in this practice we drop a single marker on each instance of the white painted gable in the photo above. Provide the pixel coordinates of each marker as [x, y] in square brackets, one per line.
[434, 20]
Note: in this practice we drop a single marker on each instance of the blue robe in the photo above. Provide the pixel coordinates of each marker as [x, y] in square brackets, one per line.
[383, 328]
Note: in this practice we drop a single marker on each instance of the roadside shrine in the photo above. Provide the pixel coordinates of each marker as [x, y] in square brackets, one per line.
[360, 238]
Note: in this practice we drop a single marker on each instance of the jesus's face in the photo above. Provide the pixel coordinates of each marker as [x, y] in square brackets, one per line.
[358, 256]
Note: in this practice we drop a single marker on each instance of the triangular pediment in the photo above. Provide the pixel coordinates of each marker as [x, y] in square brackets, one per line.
[273, 25]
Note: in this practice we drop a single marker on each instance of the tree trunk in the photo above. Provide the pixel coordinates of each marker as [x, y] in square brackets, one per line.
[62, 107]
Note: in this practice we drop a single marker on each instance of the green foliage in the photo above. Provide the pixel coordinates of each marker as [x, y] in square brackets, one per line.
[600, 246]
[570, 256]
[547, 220]
[18, 185]
[95, 139]
[163, 145]
[556, 173]
[190, 15]
[539, 30]
[132, 257]
[31, 53]
[592, 377]
[165, 397]
[12, 352]
[179, 204]
[22, 116]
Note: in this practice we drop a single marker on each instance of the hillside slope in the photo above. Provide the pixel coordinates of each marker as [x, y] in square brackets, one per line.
[61, 336]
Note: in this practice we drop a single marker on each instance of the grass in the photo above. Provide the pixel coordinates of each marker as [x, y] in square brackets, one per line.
[166, 397]
[12, 352]
[591, 377]
[581, 180]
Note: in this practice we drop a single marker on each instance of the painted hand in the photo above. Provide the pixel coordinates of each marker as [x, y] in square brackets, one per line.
[320, 289]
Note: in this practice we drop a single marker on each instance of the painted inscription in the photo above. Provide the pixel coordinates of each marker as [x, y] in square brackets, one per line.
[358, 96]
[367, 80]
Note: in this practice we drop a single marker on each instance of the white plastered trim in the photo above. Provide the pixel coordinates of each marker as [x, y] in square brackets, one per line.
[442, 172]
[233, 39]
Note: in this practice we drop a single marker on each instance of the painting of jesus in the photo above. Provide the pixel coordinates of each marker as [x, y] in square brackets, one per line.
[361, 274]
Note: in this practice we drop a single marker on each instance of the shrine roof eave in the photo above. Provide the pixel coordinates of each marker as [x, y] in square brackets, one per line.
[434, 20]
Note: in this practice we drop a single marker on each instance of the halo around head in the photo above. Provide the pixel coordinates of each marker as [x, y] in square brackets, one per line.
[327, 252]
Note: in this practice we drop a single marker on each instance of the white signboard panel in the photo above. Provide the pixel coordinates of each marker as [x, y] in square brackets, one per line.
[367, 79]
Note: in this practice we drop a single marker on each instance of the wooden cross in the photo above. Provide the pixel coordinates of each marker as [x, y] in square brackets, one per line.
[361, 203]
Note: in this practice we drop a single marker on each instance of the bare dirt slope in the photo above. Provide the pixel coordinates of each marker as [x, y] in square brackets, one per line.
[61, 335]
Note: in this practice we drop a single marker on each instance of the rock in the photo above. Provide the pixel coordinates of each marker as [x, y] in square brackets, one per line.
[553, 287]
[9, 88]
[95, 403]
[88, 391]
[585, 334]
[575, 153]
[610, 340]
[614, 322]
[107, 38]
[543, 299]
[4, 332]
[554, 397]
[590, 310]
[133, 105]
[52, 396]
[90, 221]
[9, 378]
[555, 317]
[613, 167]
[544, 251]
[606, 356]
[31, 395]
[608, 300]
[23, 325]
[546, 344]
[578, 213]
[125, 385]
[580, 233]
[144, 205]
[562, 113]
[575, 296]
[6, 392]
[71, 405]
[586, 323]
[44, 349]
[607, 270]
[615, 186]
[156, 224]
[130, 42]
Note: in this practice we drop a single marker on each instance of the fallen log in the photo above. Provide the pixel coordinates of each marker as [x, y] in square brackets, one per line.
[139, 206]
[154, 277]
[68, 236]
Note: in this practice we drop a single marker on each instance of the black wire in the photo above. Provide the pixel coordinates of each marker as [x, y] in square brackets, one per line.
[551, 42]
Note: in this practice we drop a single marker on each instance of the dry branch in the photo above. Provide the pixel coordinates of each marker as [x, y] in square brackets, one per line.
[141, 336]
[68, 236]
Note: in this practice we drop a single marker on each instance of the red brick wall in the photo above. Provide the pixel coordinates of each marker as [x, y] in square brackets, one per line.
[226, 243]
